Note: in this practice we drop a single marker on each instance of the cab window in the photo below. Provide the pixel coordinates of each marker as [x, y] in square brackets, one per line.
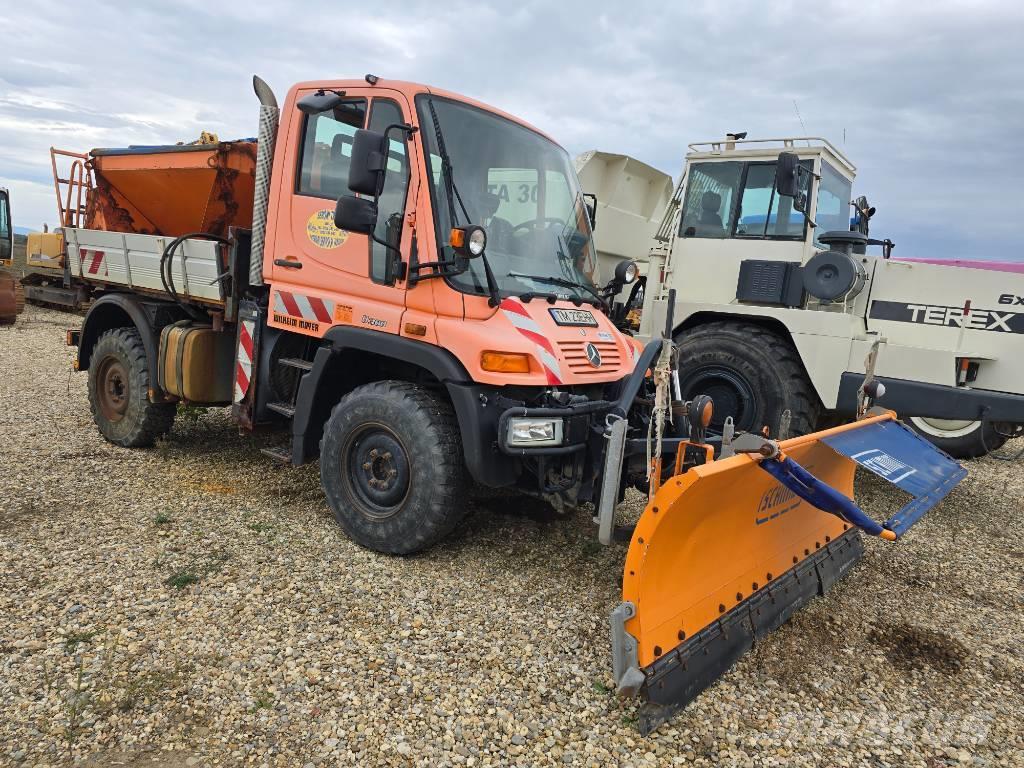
[833, 211]
[711, 190]
[738, 200]
[327, 149]
[391, 204]
[764, 214]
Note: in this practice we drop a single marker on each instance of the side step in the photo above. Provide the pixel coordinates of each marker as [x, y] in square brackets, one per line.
[296, 362]
[285, 409]
[280, 454]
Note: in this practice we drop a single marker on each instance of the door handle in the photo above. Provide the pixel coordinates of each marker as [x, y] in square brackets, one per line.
[288, 263]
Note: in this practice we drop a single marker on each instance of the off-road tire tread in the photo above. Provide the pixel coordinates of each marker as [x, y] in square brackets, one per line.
[806, 407]
[411, 530]
[150, 420]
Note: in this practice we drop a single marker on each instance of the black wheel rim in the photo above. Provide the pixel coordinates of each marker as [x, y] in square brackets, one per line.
[730, 391]
[375, 466]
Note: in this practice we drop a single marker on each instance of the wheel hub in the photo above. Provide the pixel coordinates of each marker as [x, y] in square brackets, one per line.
[113, 389]
[378, 470]
[731, 393]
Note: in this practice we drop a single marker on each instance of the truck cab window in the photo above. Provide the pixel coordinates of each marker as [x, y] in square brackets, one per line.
[327, 150]
[391, 204]
[711, 190]
[763, 214]
[833, 212]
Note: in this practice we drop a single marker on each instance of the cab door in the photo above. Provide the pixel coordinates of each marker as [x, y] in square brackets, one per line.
[6, 230]
[322, 275]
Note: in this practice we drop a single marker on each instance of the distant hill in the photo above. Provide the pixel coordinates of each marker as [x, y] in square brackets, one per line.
[23, 230]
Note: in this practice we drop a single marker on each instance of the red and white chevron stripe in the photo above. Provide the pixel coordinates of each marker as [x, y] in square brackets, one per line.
[93, 263]
[527, 326]
[307, 307]
[243, 359]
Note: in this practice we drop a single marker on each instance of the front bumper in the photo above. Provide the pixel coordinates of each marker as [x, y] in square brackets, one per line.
[918, 398]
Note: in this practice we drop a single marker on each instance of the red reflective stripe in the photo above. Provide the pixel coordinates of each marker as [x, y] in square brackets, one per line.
[319, 309]
[539, 340]
[552, 379]
[97, 258]
[241, 379]
[245, 340]
[289, 304]
[514, 306]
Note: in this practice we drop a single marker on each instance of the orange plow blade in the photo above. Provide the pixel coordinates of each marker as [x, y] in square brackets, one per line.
[724, 554]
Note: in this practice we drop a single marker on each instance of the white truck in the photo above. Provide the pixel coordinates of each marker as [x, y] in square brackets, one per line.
[781, 293]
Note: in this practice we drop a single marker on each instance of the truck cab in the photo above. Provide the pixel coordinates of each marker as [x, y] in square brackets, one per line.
[788, 278]
[416, 303]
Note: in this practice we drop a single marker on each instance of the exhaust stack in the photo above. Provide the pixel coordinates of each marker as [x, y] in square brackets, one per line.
[266, 137]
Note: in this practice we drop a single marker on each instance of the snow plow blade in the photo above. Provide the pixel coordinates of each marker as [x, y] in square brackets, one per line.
[727, 551]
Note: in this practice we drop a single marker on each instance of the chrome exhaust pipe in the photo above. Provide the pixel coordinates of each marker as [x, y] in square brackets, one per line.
[266, 137]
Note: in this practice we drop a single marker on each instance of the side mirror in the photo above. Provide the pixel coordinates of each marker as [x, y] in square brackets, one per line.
[321, 101]
[356, 214]
[786, 170]
[369, 163]
[590, 201]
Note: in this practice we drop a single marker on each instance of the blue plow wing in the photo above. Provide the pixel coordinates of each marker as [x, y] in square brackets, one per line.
[890, 450]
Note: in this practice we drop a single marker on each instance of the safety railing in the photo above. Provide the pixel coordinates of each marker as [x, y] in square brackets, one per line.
[72, 191]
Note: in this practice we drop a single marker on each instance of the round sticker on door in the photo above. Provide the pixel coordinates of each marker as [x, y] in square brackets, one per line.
[322, 232]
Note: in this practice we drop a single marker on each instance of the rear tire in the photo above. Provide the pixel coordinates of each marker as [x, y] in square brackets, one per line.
[119, 385]
[751, 374]
[960, 439]
[392, 468]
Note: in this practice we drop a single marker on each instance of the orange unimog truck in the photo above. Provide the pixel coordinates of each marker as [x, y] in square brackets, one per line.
[405, 279]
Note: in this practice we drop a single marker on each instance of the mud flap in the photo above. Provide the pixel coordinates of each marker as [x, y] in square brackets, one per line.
[724, 554]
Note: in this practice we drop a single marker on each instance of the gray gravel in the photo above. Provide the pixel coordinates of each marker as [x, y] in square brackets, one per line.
[194, 604]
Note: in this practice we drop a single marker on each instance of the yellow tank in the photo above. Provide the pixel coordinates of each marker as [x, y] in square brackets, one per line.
[45, 250]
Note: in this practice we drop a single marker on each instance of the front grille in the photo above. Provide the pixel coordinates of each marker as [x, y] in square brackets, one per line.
[575, 354]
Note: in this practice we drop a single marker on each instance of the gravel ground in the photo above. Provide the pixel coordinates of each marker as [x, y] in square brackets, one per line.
[194, 604]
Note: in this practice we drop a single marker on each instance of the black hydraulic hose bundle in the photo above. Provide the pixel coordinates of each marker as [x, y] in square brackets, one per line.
[167, 273]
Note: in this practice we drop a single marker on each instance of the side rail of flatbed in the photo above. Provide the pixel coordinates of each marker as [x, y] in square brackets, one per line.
[133, 261]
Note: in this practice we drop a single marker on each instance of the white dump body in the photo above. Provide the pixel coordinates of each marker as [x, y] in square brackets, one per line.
[116, 258]
[631, 200]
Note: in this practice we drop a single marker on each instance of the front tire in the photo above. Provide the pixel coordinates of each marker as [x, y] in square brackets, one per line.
[392, 468]
[959, 438]
[119, 383]
[751, 374]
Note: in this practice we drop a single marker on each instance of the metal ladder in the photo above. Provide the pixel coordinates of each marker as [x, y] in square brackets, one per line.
[286, 408]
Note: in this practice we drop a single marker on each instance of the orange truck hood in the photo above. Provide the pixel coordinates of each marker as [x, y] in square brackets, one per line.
[559, 354]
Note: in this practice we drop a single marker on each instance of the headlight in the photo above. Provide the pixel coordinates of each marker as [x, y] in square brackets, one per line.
[477, 240]
[524, 431]
[626, 272]
[468, 241]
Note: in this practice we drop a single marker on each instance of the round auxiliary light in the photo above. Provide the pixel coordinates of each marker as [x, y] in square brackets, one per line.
[626, 272]
[477, 240]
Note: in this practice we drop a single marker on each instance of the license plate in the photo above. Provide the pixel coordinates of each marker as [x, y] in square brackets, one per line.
[573, 317]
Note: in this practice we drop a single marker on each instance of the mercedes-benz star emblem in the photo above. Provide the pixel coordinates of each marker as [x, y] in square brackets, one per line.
[593, 355]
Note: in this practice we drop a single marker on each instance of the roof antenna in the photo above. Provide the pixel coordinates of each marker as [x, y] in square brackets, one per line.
[798, 117]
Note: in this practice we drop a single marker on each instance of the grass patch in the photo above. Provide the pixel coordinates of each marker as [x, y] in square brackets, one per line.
[162, 518]
[262, 700]
[146, 686]
[190, 414]
[599, 686]
[259, 527]
[183, 578]
[73, 639]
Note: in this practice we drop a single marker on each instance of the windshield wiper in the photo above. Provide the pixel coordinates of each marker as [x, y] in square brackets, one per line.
[452, 194]
[597, 301]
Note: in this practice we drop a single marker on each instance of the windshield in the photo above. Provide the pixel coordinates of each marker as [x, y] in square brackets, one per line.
[522, 189]
[833, 211]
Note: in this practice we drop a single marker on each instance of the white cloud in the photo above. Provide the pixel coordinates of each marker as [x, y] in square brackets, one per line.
[928, 95]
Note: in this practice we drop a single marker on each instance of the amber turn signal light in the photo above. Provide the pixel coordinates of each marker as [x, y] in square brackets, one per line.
[505, 362]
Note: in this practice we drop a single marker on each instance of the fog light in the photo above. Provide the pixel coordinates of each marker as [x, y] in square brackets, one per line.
[525, 431]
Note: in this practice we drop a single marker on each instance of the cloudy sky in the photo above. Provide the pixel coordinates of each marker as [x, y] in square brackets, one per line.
[927, 99]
